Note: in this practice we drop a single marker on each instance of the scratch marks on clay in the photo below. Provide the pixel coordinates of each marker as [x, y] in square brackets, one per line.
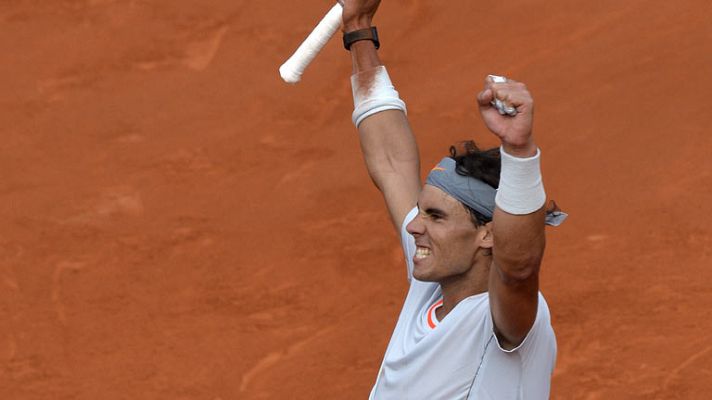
[273, 358]
[9, 290]
[111, 202]
[193, 47]
[60, 269]
[689, 361]
[200, 52]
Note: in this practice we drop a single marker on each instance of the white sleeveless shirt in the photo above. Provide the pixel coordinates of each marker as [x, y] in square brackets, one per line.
[460, 357]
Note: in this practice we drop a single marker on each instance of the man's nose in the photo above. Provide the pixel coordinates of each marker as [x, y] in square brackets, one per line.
[415, 227]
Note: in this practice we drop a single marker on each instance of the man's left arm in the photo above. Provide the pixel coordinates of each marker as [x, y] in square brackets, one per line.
[518, 222]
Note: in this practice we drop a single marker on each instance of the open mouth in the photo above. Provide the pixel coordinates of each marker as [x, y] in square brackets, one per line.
[422, 252]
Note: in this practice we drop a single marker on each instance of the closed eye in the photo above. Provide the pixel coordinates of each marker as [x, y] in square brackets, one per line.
[435, 214]
[432, 213]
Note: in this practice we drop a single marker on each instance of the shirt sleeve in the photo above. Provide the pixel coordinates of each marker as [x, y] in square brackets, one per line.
[540, 337]
[408, 242]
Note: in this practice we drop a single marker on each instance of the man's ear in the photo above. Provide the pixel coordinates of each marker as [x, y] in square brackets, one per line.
[485, 236]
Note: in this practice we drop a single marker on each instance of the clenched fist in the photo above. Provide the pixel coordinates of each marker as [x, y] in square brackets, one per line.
[515, 132]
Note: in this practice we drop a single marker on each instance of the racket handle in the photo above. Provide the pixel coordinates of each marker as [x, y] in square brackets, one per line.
[292, 70]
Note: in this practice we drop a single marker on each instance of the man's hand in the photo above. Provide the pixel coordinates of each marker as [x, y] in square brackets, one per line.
[358, 14]
[514, 132]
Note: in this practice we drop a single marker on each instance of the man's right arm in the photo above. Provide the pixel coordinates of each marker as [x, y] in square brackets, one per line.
[387, 142]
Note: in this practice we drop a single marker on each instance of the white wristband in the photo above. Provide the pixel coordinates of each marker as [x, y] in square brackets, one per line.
[521, 190]
[373, 92]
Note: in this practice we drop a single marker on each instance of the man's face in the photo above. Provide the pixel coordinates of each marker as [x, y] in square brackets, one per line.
[445, 237]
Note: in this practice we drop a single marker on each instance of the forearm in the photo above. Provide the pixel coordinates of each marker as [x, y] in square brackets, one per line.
[364, 56]
[518, 221]
[387, 141]
[519, 242]
[363, 52]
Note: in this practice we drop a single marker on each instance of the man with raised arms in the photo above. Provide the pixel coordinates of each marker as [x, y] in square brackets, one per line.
[474, 324]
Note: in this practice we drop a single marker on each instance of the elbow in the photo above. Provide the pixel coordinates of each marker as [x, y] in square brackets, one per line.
[388, 170]
[520, 269]
[519, 260]
[380, 175]
[518, 275]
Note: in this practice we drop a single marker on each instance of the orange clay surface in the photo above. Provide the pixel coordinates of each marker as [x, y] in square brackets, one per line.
[178, 223]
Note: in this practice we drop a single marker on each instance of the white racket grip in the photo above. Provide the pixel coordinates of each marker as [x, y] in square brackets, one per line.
[292, 70]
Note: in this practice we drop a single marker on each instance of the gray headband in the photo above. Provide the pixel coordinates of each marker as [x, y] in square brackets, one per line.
[474, 193]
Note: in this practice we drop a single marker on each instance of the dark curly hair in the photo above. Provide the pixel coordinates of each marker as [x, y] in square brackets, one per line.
[484, 165]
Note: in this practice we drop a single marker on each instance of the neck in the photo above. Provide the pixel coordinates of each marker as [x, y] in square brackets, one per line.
[458, 288]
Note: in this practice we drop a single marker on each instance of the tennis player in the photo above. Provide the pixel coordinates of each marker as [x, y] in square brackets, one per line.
[474, 324]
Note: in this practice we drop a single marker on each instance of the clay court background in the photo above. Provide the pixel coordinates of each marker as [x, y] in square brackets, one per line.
[177, 223]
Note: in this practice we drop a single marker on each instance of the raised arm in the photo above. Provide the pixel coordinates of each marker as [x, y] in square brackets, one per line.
[518, 221]
[387, 143]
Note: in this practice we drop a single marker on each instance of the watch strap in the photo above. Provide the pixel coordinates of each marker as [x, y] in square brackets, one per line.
[361, 34]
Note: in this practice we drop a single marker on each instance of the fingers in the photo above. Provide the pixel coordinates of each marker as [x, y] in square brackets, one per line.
[485, 97]
[506, 95]
[358, 14]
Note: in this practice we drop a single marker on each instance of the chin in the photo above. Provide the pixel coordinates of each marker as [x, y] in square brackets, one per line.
[422, 276]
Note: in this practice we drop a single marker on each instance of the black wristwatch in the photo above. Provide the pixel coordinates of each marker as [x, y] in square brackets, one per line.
[361, 34]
